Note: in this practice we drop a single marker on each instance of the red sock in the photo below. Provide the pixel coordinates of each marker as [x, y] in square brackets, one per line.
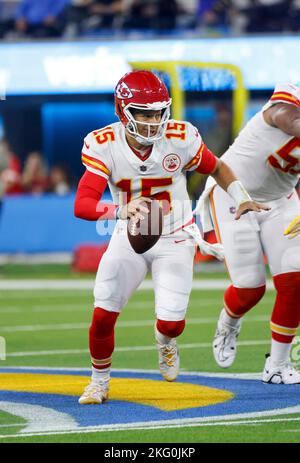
[286, 313]
[101, 337]
[239, 300]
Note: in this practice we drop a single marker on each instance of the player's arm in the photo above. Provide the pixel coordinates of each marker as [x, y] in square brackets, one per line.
[205, 162]
[227, 180]
[87, 201]
[285, 117]
[89, 207]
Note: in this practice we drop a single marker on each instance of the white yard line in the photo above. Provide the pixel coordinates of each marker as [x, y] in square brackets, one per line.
[89, 284]
[289, 430]
[126, 349]
[159, 425]
[88, 307]
[124, 324]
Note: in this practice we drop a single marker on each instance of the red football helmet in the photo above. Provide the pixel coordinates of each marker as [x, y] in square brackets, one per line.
[145, 91]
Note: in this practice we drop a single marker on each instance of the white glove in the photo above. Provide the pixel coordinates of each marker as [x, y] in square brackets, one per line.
[293, 229]
[206, 248]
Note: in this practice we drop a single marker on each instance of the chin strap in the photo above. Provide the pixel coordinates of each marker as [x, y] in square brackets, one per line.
[142, 141]
[206, 248]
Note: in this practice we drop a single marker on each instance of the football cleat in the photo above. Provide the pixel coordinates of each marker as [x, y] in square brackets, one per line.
[168, 358]
[280, 374]
[224, 343]
[94, 393]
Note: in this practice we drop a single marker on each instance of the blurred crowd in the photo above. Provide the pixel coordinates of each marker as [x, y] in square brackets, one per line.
[34, 177]
[84, 18]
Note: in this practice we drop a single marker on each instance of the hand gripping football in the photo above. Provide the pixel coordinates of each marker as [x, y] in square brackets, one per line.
[144, 234]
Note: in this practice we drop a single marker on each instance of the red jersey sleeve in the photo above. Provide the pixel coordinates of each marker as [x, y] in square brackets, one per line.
[89, 192]
[208, 161]
[204, 161]
[199, 157]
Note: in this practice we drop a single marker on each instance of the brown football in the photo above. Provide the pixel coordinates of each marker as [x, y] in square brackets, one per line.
[144, 234]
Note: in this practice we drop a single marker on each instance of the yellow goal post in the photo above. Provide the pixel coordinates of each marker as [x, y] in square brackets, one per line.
[240, 93]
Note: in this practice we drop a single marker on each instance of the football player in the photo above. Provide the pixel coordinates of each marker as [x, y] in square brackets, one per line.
[145, 156]
[265, 156]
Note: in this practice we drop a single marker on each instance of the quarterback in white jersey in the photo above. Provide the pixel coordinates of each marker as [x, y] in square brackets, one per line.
[143, 157]
[161, 177]
[266, 158]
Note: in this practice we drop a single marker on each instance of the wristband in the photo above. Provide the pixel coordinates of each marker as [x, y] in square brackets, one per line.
[237, 192]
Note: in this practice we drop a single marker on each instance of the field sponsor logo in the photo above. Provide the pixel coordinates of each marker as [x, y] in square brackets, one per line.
[48, 400]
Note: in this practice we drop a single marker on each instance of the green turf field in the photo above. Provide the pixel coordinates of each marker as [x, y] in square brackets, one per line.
[49, 328]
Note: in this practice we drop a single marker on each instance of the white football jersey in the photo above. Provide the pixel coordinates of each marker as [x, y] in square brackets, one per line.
[264, 158]
[162, 175]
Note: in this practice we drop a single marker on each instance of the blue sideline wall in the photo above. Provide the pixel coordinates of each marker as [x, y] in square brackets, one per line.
[46, 223]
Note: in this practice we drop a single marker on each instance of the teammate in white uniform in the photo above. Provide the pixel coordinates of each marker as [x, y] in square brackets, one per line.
[145, 156]
[265, 157]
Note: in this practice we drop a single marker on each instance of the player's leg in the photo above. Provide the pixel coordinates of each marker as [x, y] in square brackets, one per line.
[283, 255]
[245, 265]
[172, 271]
[120, 272]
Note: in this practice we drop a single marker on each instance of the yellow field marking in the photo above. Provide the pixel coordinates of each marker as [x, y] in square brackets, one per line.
[160, 394]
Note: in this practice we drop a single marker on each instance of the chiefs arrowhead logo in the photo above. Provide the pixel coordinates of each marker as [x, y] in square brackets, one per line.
[171, 162]
[123, 91]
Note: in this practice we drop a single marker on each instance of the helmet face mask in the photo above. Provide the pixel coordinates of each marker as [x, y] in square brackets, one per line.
[137, 93]
[146, 133]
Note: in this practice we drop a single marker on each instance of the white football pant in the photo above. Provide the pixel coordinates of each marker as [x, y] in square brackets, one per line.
[121, 271]
[246, 240]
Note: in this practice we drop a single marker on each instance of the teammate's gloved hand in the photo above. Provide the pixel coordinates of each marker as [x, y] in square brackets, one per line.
[133, 209]
[206, 248]
[248, 206]
[293, 229]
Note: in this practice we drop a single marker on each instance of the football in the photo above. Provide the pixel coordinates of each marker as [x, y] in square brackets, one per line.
[144, 234]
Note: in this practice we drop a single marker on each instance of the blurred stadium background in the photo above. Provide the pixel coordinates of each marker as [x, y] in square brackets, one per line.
[59, 63]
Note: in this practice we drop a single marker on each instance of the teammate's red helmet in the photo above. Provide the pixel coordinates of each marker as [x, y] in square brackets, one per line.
[142, 90]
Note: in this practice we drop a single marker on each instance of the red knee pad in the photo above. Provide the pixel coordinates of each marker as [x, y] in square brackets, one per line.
[103, 323]
[239, 300]
[286, 313]
[170, 329]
